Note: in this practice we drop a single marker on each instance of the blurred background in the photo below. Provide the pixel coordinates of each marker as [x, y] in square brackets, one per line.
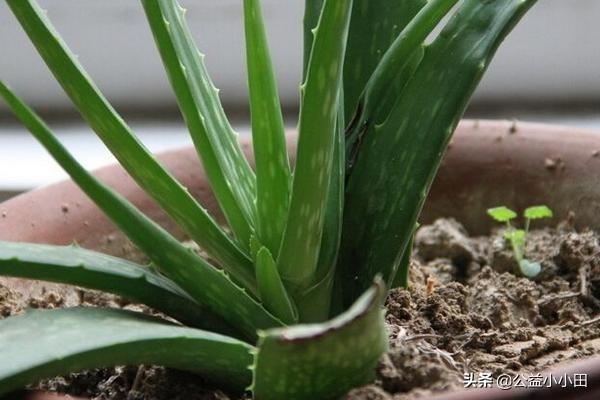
[548, 71]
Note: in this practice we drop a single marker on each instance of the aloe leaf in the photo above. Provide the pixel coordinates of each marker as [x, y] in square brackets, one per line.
[314, 303]
[299, 252]
[399, 53]
[45, 136]
[392, 73]
[43, 344]
[272, 292]
[121, 141]
[373, 27]
[312, 12]
[322, 361]
[379, 218]
[76, 266]
[273, 177]
[204, 283]
[231, 177]
[255, 246]
[402, 276]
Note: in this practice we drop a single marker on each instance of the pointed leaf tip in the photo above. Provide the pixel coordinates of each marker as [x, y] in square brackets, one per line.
[326, 359]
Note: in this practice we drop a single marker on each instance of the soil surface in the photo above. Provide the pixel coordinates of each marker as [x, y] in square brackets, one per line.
[467, 311]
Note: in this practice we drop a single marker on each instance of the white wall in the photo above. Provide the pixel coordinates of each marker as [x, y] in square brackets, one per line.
[553, 55]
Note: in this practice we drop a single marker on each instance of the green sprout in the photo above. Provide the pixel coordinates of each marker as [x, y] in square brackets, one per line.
[518, 237]
[290, 305]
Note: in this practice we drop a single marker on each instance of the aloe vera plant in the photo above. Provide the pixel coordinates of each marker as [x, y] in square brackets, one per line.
[291, 306]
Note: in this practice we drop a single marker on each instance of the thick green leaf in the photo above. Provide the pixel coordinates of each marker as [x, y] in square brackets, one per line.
[204, 283]
[76, 266]
[43, 344]
[299, 252]
[403, 274]
[273, 176]
[392, 73]
[231, 177]
[312, 13]
[322, 361]
[398, 159]
[373, 27]
[272, 292]
[255, 246]
[314, 303]
[121, 141]
[398, 56]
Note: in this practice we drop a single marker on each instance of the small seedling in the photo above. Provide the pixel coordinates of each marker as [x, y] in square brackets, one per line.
[518, 237]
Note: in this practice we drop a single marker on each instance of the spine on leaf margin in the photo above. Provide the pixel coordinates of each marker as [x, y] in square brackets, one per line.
[231, 178]
[203, 282]
[121, 141]
[273, 176]
[298, 256]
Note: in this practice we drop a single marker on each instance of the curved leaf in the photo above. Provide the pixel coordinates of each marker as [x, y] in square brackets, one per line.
[382, 207]
[374, 26]
[121, 141]
[43, 344]
[231, 177]
[204, 283]
[76, 266]
[314, 303]
[272, 292]
[322, 361]
[273, 176]
[298, 256]
[392, 73]
[312, 13]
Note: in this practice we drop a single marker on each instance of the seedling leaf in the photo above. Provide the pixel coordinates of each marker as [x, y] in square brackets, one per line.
[502, 214]
[538, 212]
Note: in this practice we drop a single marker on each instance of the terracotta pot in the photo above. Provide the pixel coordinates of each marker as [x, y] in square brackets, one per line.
[488, 163]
